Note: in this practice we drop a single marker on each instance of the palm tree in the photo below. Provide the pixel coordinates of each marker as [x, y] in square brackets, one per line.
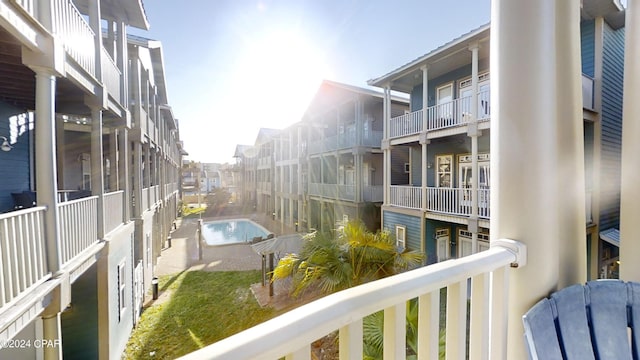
[351, 257]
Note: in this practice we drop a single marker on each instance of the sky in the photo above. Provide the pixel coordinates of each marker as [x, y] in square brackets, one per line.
[235, 66]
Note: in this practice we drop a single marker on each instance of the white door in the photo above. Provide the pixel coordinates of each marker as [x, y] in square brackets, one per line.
[465, 243]
[442, 243]
[444, 101]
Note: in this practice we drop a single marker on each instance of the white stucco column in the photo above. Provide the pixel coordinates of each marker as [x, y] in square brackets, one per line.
[137, 178]
[425, 97]
[45, 156]
[113, 160]
[95, 24]
[386, 148]
[537, 155]
[423, 176]
[123, 171]
[52, 334]
[121, 61]
[473, 132]
[630, 192]
[97, 169]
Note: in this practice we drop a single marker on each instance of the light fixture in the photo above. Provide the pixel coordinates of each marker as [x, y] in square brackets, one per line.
[5, 144]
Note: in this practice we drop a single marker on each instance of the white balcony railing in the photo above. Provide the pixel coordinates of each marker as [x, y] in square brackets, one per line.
[76, 34]
[451, 201]
[29, 6]
[484, 201]
[345, 141]
[111, 76]
[333, 191]
[154, 194]
[454, 201]
[406, 124]
[587, 92]
[405, 196]
[446, 115]
[145, 199]
[373, 193]
[23, 263]
[457, 201]
[78, 226]
[291, 334]
[346, 192]
[113, 210]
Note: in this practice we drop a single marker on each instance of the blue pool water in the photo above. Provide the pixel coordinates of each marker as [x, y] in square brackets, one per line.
[231, 231]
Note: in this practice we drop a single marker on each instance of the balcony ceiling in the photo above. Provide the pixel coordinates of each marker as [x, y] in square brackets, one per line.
[611, 10]
[18, 82]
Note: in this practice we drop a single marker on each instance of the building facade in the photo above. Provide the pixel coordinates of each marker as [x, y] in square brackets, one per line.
[94, 152]
[437, 156]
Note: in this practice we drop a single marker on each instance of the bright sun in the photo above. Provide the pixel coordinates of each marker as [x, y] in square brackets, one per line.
[282, 71]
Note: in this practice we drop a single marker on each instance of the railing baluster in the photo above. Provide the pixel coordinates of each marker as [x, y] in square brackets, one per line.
[479, 319]
[303, 353]
[456, 320]
[395, 331]
[4, 268]
[428, 325]
[498, 322]
[350, 344]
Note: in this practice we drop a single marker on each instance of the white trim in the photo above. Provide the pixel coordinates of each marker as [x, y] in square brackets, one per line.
[443, 235]
[122, 288]
[401, 236]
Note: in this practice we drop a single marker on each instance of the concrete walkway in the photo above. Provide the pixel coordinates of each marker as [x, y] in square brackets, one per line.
[183, 253]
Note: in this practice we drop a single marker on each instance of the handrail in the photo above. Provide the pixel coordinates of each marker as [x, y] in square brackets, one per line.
[292, 333]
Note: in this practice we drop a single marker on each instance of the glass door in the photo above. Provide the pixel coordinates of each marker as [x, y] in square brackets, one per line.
[444, 102]
[442, 243]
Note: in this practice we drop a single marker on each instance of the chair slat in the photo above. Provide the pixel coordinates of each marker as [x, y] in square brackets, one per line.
[634, 301]
[609, 324]
[540, 331]
[572, 321]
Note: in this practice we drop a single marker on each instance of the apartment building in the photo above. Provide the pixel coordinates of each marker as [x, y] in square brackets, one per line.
[244, 175]
[325, 168]
[290, 174]
[344, 159]
[93, 151]
[437, 156]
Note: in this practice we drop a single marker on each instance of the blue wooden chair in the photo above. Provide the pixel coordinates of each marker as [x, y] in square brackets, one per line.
[594, 321]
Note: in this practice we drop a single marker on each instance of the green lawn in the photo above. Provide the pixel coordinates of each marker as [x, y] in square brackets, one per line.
[204, 308]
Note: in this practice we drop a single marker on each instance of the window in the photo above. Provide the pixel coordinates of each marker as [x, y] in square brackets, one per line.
[445, 101]
[121, 289]
[444, 170]
[401, 236]
[407, 168]
[465, 242]
[148, 246]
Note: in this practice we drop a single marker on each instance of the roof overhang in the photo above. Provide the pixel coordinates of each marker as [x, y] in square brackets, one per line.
[611, 10]
[450, 56]
[131, 12]
[611, 235]
[331, 94]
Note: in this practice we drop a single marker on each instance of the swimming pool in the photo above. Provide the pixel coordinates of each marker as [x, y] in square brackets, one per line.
[235, 231]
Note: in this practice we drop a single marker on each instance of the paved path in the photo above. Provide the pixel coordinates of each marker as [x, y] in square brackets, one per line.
[183, 253]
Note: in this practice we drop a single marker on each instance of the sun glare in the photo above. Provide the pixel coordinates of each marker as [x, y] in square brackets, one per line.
[282, 70]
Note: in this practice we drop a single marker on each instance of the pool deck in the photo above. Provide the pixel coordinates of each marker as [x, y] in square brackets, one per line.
[183, 253]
